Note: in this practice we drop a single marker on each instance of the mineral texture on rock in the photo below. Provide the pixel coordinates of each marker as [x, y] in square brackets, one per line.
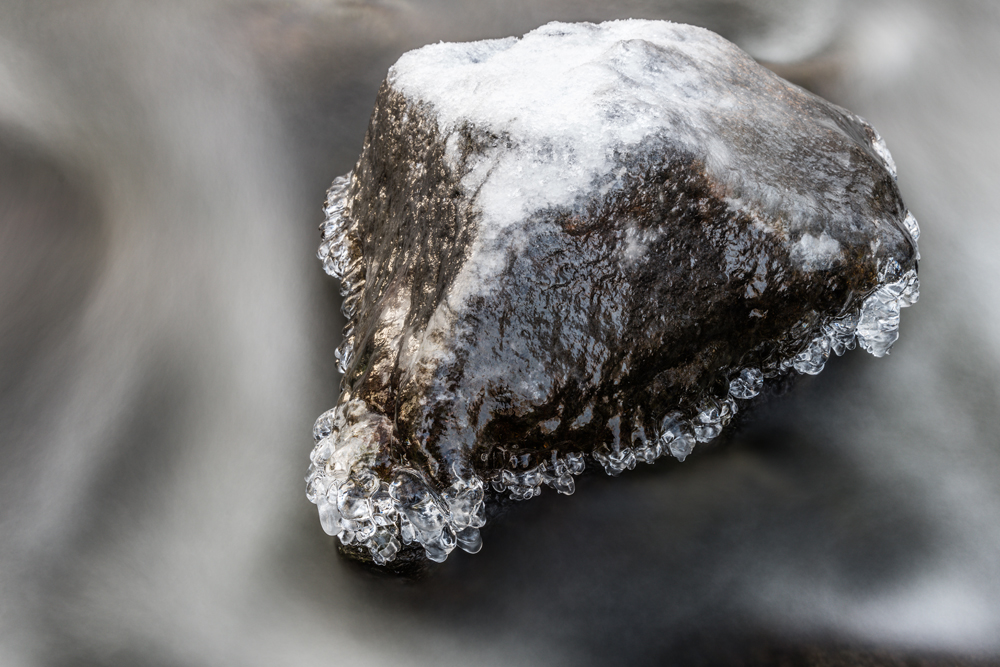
[589, 246]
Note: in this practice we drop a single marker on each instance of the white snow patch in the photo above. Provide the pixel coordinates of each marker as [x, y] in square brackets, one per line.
[566, 95]
[636, 246]
[816, 253]
[563, 98]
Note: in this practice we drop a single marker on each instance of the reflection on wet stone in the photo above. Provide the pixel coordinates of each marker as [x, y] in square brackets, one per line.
[589, 246]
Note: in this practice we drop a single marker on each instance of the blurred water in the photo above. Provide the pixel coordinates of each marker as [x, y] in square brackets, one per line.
[166, 338]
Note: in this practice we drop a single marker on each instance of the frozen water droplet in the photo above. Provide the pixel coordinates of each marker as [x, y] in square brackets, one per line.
[343, 354]
[352, 501]
[706, 432]
[646, 452]
[709, 422]
[747, 385]
[912, 227]
[564, 484]
[575, 462]
[435, 553]
[878, 326]
[531, 478]
[367, 482]
[676, 436]
[464, 499]
[331, 266]
[324, 425]
[327, 229]
[322, 452]
[425, 516]
[681, 447]
[812, 360]
[727, 410]
[317, 487]
[363, 531]
[840, 333]
[329, 518]
[911, 291]
[383, 508]
[469, 540]
[615, 462]
[333, 251]
[406, 530]
[883, 152]
[889, 272]
[383, 546]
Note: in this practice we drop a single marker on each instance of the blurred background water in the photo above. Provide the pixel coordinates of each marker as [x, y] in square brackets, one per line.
[167, 337]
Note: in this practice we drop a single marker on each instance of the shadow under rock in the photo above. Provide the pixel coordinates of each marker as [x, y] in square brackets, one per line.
[633, 570]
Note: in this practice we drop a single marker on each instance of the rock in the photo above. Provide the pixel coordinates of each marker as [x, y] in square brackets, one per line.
[588, 246]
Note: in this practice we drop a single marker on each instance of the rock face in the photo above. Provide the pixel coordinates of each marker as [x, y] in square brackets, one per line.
[585, 247]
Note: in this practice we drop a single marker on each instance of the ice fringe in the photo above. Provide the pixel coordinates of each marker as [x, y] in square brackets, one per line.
[381, 516]
[335, 253]
[360, 509]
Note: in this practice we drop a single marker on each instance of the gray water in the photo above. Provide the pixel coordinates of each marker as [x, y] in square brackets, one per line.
[167, 338]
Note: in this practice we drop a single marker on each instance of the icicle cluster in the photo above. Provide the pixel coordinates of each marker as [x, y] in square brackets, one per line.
[335, 253]
[360, 509]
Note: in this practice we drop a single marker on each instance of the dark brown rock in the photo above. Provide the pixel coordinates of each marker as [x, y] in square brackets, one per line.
[588, 246]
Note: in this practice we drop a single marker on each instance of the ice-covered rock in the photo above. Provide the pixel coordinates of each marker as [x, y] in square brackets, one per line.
[585, 246]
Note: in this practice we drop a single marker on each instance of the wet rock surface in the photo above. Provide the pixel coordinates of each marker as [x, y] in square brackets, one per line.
[588, 247]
